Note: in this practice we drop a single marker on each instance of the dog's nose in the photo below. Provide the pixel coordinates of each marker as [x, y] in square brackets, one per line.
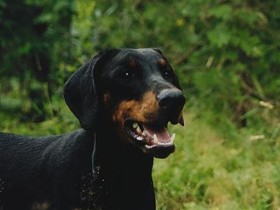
[170, 99]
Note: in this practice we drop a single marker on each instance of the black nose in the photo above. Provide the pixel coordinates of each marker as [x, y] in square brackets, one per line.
[171, 99]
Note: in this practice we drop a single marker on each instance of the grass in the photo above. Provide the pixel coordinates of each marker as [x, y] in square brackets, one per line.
[213, 168]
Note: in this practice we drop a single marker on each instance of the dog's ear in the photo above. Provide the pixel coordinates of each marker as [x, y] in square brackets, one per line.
[158, 50]
[80, 90]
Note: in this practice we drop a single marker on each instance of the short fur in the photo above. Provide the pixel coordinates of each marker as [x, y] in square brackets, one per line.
[97, 166]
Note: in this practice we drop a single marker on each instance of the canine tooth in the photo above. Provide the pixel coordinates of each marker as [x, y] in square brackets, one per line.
[172, 137]
[135, 125]
[138, 129]
[155, 139]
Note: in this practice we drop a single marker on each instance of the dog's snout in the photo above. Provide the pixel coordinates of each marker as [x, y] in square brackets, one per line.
[171, 99]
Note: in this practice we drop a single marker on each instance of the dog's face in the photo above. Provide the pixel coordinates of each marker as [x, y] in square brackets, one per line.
[139, 89]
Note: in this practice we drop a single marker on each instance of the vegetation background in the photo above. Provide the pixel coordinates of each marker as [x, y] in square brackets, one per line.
[226, 53]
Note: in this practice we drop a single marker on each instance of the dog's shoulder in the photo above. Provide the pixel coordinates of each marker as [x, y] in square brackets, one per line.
[7, 139]
[45, 150]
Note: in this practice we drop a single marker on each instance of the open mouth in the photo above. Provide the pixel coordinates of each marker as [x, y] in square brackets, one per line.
[151, 137]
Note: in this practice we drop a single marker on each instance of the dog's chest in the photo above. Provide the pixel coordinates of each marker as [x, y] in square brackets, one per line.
[93, 191]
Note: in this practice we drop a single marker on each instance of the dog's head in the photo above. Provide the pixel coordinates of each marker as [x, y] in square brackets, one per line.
[140, 91]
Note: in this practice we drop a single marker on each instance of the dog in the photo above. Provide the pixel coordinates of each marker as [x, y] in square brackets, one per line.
[124, 100]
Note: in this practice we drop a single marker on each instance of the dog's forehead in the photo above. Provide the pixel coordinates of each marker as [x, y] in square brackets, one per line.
[146, 59]
[144, 54]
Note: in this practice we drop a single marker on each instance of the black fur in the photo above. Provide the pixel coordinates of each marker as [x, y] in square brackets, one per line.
[91, 168]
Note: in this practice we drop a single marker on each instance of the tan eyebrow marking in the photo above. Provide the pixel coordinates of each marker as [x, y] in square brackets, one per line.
[132, 62]
[162, 62]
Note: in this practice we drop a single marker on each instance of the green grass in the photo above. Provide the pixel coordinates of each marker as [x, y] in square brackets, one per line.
[212, 171]
[213, 167]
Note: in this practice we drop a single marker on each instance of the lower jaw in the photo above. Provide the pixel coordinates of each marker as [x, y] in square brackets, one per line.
[156, 151]
[161, 151]
[150, 146]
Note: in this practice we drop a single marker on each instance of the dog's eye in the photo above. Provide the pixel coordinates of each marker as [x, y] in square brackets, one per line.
[129, 75]
[167, 73]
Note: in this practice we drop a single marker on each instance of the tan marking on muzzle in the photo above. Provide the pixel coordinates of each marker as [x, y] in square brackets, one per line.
[144, 110]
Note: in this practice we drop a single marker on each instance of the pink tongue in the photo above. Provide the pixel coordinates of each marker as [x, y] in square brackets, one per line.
[162, 133]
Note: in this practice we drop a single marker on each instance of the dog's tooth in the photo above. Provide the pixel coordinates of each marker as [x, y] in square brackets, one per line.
[135, 125]
[138, 129]
[155, 139]
[149, 146]
[139, 138]
[172, 137]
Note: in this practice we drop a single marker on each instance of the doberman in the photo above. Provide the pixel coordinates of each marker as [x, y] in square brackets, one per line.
[124, 100]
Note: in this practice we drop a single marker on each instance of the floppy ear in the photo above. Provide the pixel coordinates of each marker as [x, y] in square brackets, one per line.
[80, 91]
[158, 50]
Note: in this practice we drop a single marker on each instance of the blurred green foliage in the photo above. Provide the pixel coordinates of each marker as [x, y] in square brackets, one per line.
[227, 56]
[226, 53]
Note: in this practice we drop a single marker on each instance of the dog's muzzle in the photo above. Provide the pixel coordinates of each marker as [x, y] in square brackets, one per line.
[171, 102]
[152, 136]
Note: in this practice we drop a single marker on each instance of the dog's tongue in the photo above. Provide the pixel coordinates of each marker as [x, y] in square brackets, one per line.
[161, 132]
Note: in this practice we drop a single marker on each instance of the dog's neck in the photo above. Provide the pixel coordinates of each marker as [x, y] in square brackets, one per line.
[120, 156]
[125, 172]
[114, 150]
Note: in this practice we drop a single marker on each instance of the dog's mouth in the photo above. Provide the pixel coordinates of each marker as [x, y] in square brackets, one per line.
[152, 138]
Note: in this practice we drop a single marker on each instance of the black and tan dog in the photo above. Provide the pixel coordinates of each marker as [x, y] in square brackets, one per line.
[124, 99]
